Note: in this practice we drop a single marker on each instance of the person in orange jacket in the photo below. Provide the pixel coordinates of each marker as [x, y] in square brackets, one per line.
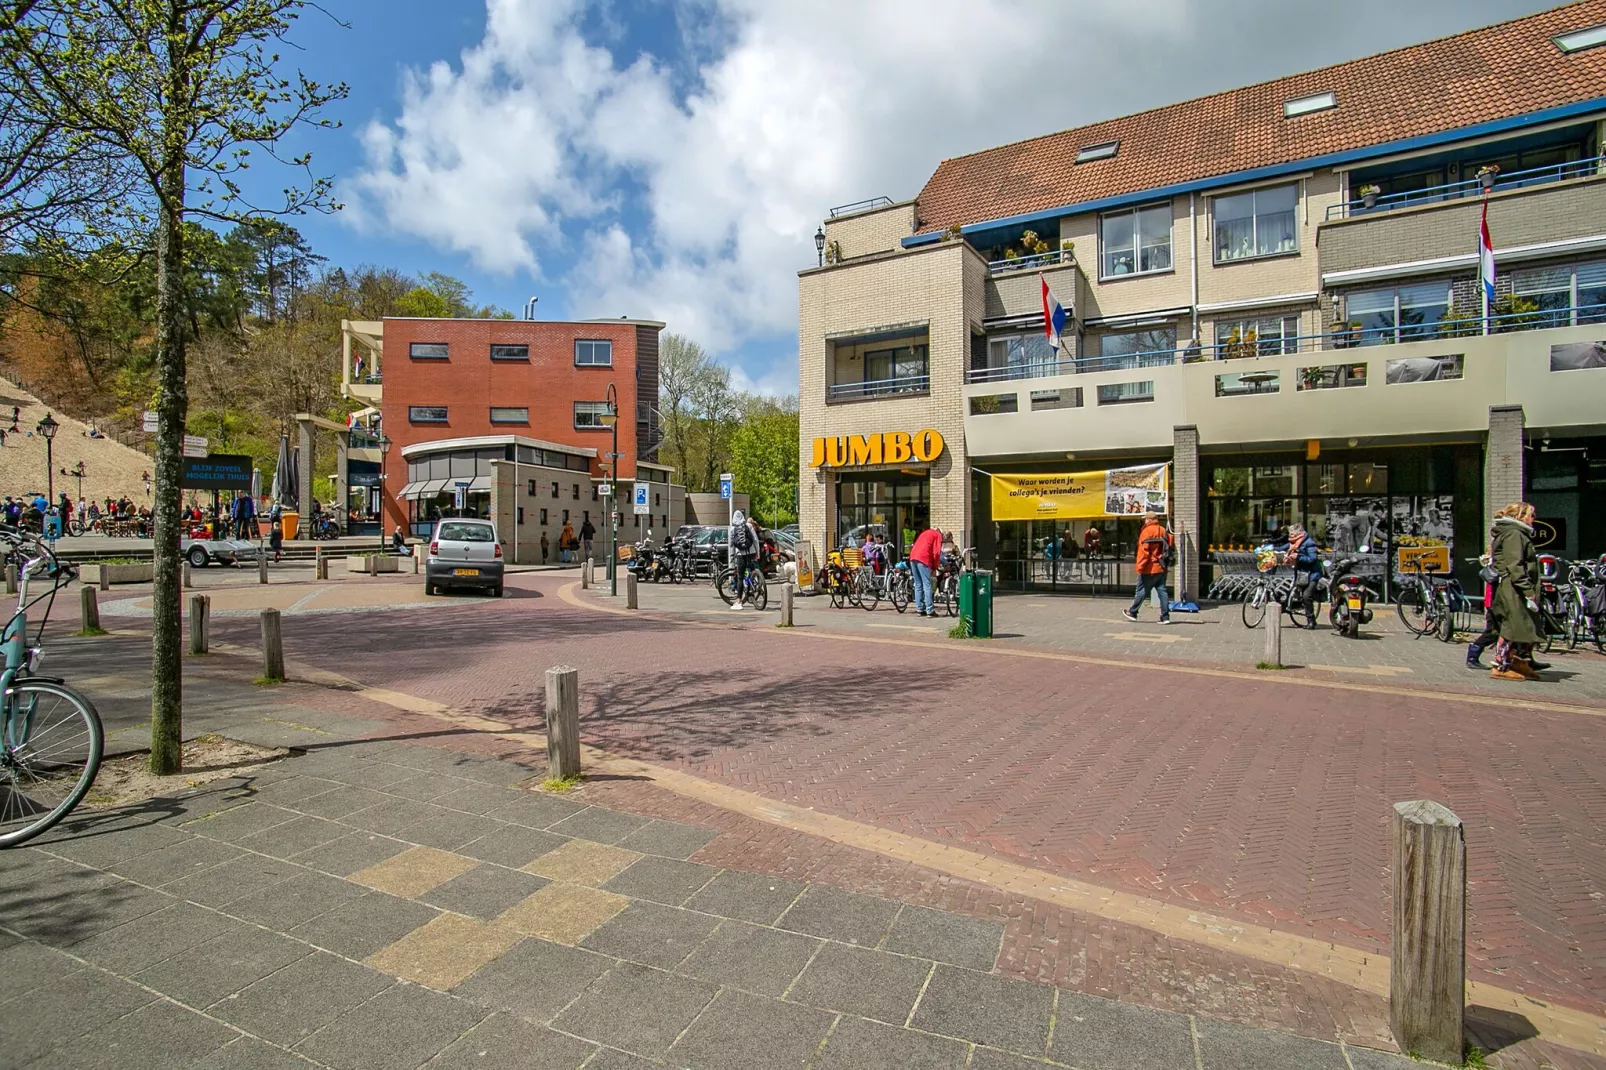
[1154, 552]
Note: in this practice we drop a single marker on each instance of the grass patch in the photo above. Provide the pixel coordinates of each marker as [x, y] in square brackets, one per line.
[268, 681]
[91, 632]
[958, 632]
[1269, 667]
[557, 785]
[1475, 1057]
[119, 561]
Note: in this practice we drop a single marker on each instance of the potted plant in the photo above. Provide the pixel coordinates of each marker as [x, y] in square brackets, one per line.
[1311, 378]
[1369, 194]
[1487, 174]
[1067, 251]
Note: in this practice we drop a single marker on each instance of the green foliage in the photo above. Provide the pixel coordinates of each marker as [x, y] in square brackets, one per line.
[558, 785]
[764, 458]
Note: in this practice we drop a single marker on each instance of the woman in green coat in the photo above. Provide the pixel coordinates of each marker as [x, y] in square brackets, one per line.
[1514, 611]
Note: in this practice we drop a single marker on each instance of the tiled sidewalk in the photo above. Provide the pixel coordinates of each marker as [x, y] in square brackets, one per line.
[389, 905]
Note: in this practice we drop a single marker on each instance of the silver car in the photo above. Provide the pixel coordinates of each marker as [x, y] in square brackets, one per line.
[464, 552]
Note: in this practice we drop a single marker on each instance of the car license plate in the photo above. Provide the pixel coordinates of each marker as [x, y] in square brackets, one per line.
[1355, 603]
[465, 572]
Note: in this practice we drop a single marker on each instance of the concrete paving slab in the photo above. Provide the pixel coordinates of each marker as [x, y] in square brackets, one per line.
[656, 935]
[512, 845]
[26, 966]
[157, 1034]
[747, 896]
[565, 913]
[236, 823]
[536, 810]
[299, 834]
[65, 1009]
[149, 939]
[413, 872]
[63, 906]
[978, 1007]
[448, 829]
[953, 938]
[862, 982]
[993, 1059]
[105, 847]
[340, 800]
[670, 839]
[662, 880]
[842, 916]
[635, 1008]
[1372, 1059]
[301, 898]
[441, 953]
[535, 979]
[391, 816]
[475, 798]
[423, 787]
[358, 927]
[751, 957]
[403, 1026]
[744, 1032]
[601, 825]
[220, 885]
[505, 1042]
[1101, 1034]
[291, 1004]
[581, 861]
[351, 852]
[209, 971]
[856, 1044]
[190, 856]
[1223, 1046]
[248, 1053]
[484, 891]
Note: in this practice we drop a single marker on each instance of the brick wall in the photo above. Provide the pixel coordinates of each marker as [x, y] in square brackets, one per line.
[1503, 460]
[1185, 506]
[872, 232]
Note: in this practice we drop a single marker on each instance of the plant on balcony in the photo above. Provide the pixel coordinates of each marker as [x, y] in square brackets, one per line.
[1032, 245]
[833, 253]
[1067, 251]
[952, 233]
[1311, 378]
[1487, 174]
[1515, 313]
[1369, 194]
[1240, 344]
[1460, 322]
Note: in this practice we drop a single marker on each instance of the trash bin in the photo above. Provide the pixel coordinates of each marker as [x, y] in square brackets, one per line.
[52, 527]
[976, 603]
[289, 523]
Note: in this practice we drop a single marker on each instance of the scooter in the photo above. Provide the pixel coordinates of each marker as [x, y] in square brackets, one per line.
[1350, 595]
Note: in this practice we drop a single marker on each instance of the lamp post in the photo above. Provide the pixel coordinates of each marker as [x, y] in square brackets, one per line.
[48, 427]
[819, 245]
[610, 420]
[78, 472]
[384, 448]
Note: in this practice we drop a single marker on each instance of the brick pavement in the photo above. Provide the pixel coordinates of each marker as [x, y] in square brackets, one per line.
[391, 905]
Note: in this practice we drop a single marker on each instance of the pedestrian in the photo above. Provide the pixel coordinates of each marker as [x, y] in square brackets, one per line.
[545, 547]
[587, 533]
[16, 418]
[924, 554]
[146, 476]
[248, 514]
[1514, 569]
[744, 553]
[1303, 555]
[1092, 539]
[566, 542]
[1154, 551]
[276, 541]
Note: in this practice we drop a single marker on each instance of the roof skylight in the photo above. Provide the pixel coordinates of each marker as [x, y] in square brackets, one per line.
[1306, 105]
[1578, 40]
[1102, 151]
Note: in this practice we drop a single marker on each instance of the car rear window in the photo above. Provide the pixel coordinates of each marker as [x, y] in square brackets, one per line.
[464, 533]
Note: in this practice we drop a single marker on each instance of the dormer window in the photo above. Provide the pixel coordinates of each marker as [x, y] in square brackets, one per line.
[1306, 105]
[1102, 151]
[1578, 40]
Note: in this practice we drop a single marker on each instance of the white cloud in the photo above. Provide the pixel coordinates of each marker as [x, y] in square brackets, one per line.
[697, 207]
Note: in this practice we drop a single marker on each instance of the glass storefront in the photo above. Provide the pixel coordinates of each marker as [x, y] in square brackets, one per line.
[895, 505]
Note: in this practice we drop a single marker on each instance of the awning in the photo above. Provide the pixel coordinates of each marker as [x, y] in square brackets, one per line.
[425, 489]
[479, 483]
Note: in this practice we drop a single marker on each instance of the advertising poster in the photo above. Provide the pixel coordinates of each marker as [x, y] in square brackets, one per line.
[1081, 495]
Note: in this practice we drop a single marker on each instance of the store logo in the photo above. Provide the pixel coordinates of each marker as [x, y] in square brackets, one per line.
[888, 447]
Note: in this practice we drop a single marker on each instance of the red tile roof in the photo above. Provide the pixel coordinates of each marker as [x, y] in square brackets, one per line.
[1509, 69]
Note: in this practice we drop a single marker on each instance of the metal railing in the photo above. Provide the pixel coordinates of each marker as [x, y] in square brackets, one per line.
[1338, 340]
[1471, 187]
[908, 384]
[1035, 260]
[860, 206]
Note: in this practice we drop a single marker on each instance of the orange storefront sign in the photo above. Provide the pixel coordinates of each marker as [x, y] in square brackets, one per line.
[887, 447]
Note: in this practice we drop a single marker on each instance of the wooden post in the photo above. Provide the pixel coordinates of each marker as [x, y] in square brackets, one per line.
[189, 579]
[321, 564]
[200, 623]
[373, 565]
[563, 722]
[1274, 633]
[262, 566]
[585, 575]
[105, 579]
[630, 590]
[418, 551]
[89, 609]
[786, 605]
[272, 646]
[1428, 959]
[11, 577]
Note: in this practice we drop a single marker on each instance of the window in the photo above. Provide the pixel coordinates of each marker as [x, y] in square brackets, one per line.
[554, 490]
[428, 350]
[510, 352]
[989, 404]
[1261, 222]
[1240, 384]
[577, 492]
[593, 354]
[426, 414]
[1424, 369]
[532, 488]
[543, 516]
[906, 364]
[1137, 349]
[1567, 295]
[1136, 242]
[1306, 105]
[1126, 393]
[1331, 376]
[1065, 398]
[566, 516]
[1578, 40]
[594, 493]
[590, 413]
[1023, 357]
[1398, 314]
[455, 531]
[509, 415]
[1102, 151]
[1263, 337]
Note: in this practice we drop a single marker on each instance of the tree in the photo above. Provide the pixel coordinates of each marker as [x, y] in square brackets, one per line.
[714, 407]
[172, 97]
[763, 451]
[682, 367]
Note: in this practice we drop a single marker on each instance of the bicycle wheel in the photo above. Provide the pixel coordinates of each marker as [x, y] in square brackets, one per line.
[949, 592]
[1411, 603]
[50, 746]
[724, 583]
[758, 592]
[900, 589]
[1444, 622]
[1255, 607]
[866, 593]
[838, 587]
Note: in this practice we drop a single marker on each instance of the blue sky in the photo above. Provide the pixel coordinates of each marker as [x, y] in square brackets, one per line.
[672, 158]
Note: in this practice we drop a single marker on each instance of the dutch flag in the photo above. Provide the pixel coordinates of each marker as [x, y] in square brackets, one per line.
[1486, 259]
[1054, 316]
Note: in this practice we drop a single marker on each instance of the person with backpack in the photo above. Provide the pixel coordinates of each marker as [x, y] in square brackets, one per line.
[744, 556]
[1156, 550]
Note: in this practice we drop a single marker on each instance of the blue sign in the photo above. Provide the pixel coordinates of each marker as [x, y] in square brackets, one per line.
[725, 489]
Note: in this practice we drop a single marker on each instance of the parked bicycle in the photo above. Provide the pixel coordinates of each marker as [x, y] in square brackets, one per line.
[1584, 604]
[757, 592]
[50, 736]
[1427, 602]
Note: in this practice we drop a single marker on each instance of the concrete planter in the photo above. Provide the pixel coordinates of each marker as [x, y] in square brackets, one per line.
[138, 573]
[384, 564]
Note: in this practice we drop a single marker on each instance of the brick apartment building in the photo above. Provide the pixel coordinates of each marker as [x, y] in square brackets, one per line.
[1273, 295]
[514, 409]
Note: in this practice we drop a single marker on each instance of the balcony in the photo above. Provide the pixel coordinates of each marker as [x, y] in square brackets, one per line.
[853, 391]
[1471, 187]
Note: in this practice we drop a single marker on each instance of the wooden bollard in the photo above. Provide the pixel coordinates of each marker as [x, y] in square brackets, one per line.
[630, 590]
[373, 564]
[11, 578]
[1274, 634]
[272, 646]
[187, 572]
[563, 722]
[321, 564]
[200, 623]
[786, 605]
[105, 579]
[89, 609]
[585, 575]
[1428, 959]
[417, 553]
[262, 567]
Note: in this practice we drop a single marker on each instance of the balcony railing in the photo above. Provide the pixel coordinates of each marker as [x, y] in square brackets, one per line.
[1471, 187]
[358, 439]
[1036, 260]
[1342, 338]
[908, 384]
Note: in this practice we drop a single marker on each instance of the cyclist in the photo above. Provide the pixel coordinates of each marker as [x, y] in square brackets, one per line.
[1302, 554]
[744, 555]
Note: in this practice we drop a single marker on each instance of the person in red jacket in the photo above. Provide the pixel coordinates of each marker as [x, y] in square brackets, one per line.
[924, 554]
[1154, 546]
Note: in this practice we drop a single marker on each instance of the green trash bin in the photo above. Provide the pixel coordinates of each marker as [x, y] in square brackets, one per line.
[976, 603]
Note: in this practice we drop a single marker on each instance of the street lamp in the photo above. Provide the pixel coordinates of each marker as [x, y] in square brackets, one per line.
[819, 245]
[384, 448]
[48, 427]
[78, 472]
[610, 420]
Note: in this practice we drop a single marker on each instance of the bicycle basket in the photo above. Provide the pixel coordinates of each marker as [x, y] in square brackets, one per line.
[1267, 559]
[1595, 601]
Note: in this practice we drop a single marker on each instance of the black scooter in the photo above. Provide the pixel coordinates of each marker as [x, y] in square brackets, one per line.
[1350, 597]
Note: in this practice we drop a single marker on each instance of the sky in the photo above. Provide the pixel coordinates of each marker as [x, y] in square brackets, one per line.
[671, 159]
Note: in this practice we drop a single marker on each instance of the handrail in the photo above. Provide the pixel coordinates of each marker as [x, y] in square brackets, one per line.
[1019, 263]
[1341, 339]
[1471, 186]
[859, 206]
[907, 384]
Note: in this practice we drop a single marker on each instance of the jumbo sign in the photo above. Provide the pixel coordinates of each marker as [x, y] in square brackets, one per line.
[888, 447]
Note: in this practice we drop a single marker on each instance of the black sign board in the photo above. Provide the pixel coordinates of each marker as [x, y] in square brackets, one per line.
[221, 471]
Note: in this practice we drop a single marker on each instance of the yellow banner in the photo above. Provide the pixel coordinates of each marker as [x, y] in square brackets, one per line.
[1080, 495]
